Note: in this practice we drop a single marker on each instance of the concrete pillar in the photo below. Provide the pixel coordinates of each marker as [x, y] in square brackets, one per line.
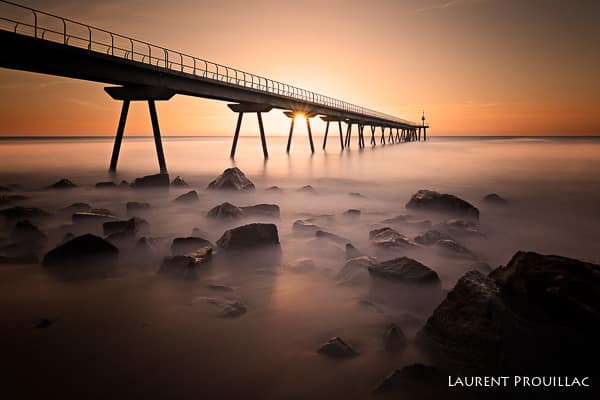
[119, 137]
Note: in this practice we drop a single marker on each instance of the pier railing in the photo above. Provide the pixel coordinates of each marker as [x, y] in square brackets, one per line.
[41, 25]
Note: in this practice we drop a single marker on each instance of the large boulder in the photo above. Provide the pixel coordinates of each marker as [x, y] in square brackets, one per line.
[337, 348]
[262, 210]
[405, 270]
[189, 197]
[225, 211]
[185, 245]
[389, 238]
[429, 200]
[231, 179]
[132, 226]
[355, 271]
[249, 236]
[152, 181]
[185, 266]
[82, 251]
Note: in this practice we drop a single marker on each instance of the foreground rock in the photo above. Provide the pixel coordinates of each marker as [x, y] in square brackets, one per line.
[389, 238]
[232, 179]
[249, 236]
[189, 197]
[82, 251]
[179, 182]
[355, 271]
[185, 245]
[185, 266]
[538, 313]
[225, 211]
[495, 199]
[62, 184]
[429, 200]
[405, 270]
[337, 348]
[151, 181]
[262, 210]
[431, 237]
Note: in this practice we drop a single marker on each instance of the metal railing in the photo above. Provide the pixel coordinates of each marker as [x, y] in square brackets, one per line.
[41, 25]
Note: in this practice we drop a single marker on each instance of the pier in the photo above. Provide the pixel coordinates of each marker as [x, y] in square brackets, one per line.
[40, 42]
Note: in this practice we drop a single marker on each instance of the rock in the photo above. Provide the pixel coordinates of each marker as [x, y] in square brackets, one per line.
[460, 227]
[185, 266]
[68, 236]
[408, 220]
[179, 182]
[5, 188]
[231, 179]
[356, 194]
[355, 271]
[274, 189]
[337, 348]
[44, 323]
[62, 184]
[229, 308]
[324, 248]
[87, 217]
[351, 213]
[219, 288]
[394, 339]
[25, 230]
[185, 245]
[482, 267]
[431, 237]
[248, 236]
[389, 238]
[77, 207]
[404, 269]
[225, 210]
[136, 206]
[81, 251]
[495, 199]
[451, 248]
[332, 237]
[305, 227]
[133, 226]
[19, 212]
[124, 185]
[352, 252]
[105, 185]
[145, 248]
[302, 265]
[262, 210]
[416, 374]
[152, 181]
[307, 189]
[429, 200]
[189, 197]
[196, 232]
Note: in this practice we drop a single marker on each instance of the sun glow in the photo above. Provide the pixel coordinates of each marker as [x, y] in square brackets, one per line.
[299, 115]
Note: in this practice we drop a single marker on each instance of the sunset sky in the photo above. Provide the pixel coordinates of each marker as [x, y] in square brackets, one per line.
[477, 67]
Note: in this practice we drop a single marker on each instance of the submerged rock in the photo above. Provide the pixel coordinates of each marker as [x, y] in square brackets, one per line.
[451, 248]
[25, 230]
[406, 270]
[77, 207]
[185, 245]
[305, 227]
[274, 189]
[231, 179]
[332, 237]
[388, 237]
[302, 265]
[394, 339]
[225, 211]
[189, 197]
[355, 271]
[431, 237]
[307, 189]
[229, 308]
[262, 210]
[179, 182]
[249, 236]
[105, 185]
[81, 251]
[84, 217]
[62, 184]
[23, 213]
[132, 226]
[337, 348]
[352, 252]
[429, 200]
[495, 199]
[137, 206]
[152, 181]
[184, 266]
[460, 228]
[351, 213]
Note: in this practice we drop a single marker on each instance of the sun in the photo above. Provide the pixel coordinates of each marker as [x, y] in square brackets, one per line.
[299, 115]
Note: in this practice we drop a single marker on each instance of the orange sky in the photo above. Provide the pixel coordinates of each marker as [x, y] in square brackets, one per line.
[477, 67]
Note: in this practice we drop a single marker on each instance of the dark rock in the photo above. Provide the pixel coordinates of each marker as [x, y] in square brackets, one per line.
[460, 228]
[302, 265]
[404, 269]
[77, 207]
[229, 308]
[429, 200]
[185, 245]
[225, 210]
[184, 266]
[307, 189]
[62, 184]
[105, 185]
[409, 220]
[81, 251]
[482, 267]
[274, 189]
[25, 230]
[232, 179]
[495, 199]
[352, 252]
[332, 237]
[23, 213]
[189, 197]
[451, 248]
[44, 323]
[124, 185]
[356, 194]
[132, 226]
[305, 227]
[389, 238]
[262, 210]
[179, 182]
[352, 213]
[400, 380]
[152, 181]
[247, 236]
[431, 237]
[145, 248]
[394, 339]
[355, 271]
[219, 288]
[88, 217]
[196, 232]
[337, 348]
[137, 206]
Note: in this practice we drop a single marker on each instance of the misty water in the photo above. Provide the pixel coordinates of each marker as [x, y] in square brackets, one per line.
[134, 333]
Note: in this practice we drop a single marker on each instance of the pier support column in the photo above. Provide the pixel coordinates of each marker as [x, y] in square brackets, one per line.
[325, 137]
[348, 134]
[119, 137]
[361, 139]
[341, 135]
[419, 134]
[312, 146]
[424, 134]
[263, 138]
[373, 136]
[157, 140]
[382, 135]
[397, 135]
[391, 136]
[236, 135]
[289, 142]
[242, 108]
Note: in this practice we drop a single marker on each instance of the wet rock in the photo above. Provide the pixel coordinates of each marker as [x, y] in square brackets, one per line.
[185, 266]
[305, 227]
[231, 179]
[132, 226]
[19, 212]
[262, 210]
[332, 237]
[249, 236]
[495, 199]
[352, 252]
[482, 267]
[179, 182]
[307, 189]
[460, 228]
[133, 206]
[225, 211]
[152, 181]
[351, 213]
[77, 207]
[145, 248]
[406, 270]
[106, 185]
[409, 220]
[429, 200]
[229, 308]
[302, 265]
[451, 248]
[394, 339]
[185, 245]
[25, 230]
[11, 198]
[325, 248]
[402, 380]
[189, 197]
[431, 237]
[89, 217]
[62, 184]
[337, 348]
[389, 238]
[81, 251]
[274, 189]
[355, 271]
